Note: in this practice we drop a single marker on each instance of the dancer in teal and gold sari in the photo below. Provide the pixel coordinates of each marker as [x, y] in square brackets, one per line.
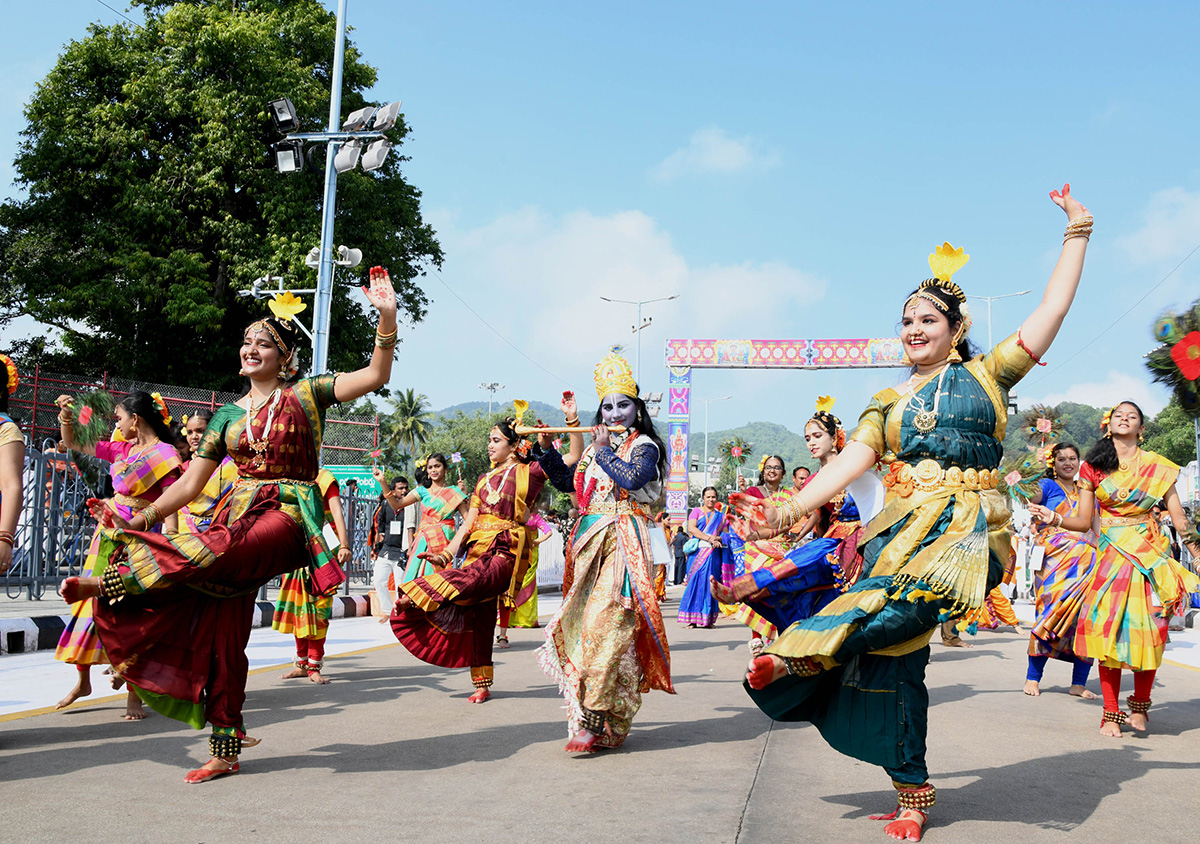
[856, 669]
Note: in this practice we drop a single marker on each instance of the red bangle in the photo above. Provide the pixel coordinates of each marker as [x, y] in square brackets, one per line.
[1021, 343]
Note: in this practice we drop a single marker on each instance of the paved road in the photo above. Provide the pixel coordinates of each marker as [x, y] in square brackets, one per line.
[391, 750]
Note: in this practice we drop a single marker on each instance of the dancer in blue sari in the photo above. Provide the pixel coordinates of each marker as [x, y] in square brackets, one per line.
[708, 529]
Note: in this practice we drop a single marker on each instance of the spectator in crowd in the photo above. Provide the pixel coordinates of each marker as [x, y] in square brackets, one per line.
[391, 537]
[799, 476]
[677, 543]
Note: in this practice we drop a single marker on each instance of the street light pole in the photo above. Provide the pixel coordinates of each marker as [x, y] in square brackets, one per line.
[329, 205]
[989, 300]
[706, 402]
[491, 387]
[637, 329]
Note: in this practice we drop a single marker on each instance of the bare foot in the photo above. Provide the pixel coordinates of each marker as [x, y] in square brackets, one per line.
[384, 619]
[721, 592]
[134, 711]
[957, 643]
[315, 675]
[1081, 691]
[294, 674]
[215, 767]
[115, 679]
[765, 670]
[1139, 721]
[908, 826]
[1110, 728]
[582, 742]
[1031, 688]
[83, 688]
[501, 643]
[480, 696]
[76, 589]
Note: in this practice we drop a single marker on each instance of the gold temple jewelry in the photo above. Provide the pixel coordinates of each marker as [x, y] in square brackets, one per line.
[493, 494]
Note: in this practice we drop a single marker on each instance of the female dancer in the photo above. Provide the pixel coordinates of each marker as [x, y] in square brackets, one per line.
[448, 617]
[199, 512]
[525, 613]
[303, 611]
[175, 612]
[606, 645]
[856, 669]
[1065, 572]
[436, 526]
[144, 465]
[795, 585]
[1137, 585]
[758, 550]
[708, 525]
[12, 463]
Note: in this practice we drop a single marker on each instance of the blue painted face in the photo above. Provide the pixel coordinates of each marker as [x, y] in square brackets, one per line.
[618, 409]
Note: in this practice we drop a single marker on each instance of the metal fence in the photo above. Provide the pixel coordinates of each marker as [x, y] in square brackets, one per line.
[55, 527]
[347, 440]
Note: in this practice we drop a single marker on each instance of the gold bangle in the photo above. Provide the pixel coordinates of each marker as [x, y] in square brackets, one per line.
[151, 514]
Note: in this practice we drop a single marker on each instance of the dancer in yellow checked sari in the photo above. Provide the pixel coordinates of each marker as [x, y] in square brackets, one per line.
[1137, 585]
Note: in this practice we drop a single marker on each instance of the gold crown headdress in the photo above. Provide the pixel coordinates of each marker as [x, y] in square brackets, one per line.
[613, 375]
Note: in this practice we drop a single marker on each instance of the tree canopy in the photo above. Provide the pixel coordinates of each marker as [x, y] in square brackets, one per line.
[151, 198]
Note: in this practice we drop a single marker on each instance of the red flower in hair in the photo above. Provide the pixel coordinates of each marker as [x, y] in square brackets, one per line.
[1186, 354]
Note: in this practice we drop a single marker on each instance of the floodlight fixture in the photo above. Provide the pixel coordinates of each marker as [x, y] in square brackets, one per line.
[386, 117]
[313, 258]
[376, 153]
[289, 156]
[283, 113]
[358, 119]
[348, 257]
[347, 156]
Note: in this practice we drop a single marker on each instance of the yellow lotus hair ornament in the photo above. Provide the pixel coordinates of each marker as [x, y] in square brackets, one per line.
[613, 375]
[825, 403]
[520, 406]
[287, 304]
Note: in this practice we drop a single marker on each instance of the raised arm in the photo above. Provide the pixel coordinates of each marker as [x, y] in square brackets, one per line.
[1180, 520]
[1041, 327]
[353, 385]
[66, 427]
[855, 459]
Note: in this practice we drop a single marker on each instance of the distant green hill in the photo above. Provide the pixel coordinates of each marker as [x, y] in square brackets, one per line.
[767, 438]
[537, 410]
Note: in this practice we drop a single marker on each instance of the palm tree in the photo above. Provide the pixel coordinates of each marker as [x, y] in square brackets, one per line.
[408, 426]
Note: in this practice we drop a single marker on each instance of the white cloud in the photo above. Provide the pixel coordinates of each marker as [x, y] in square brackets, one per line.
[713, 150]
[539, 280]
[1118, 386]
[1170, 227]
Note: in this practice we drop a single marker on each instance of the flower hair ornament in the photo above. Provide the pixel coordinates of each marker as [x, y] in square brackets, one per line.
[284, 306]
[827, 420]
[420, 464]
[11, 378]
[162, 408]
[1104, 420]
[762, 464]
[945, 261]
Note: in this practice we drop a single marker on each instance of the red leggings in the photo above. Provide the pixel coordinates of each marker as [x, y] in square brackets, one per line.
[310, 651]
[1110, 684]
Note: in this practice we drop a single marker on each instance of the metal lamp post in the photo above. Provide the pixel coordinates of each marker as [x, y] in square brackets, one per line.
[637, 329]
[989, 300]
[491, 387]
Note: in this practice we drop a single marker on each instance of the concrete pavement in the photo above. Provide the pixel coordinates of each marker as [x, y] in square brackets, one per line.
[391, 750]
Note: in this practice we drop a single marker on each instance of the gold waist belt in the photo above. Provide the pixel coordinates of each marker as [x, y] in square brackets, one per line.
[486, 522]
[134, 504]
[1121, 521]
[929, 475]
[243, 481]
[614, 508]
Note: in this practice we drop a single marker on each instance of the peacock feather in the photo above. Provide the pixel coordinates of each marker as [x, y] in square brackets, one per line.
[93, 414]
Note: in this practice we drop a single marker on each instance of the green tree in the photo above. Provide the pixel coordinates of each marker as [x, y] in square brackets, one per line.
[1172, 434]
[408, 424]
[151, 199]
[466, 434]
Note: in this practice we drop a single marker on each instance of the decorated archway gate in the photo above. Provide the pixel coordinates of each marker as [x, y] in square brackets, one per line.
[683, 356]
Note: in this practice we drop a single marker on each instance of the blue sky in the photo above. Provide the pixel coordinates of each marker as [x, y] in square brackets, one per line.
[785, 168]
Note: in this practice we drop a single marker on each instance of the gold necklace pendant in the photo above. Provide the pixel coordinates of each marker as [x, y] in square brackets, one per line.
[925, 421]
[494, 494]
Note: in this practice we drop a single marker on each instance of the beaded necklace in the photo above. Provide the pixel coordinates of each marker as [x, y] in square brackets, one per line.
[259, 447]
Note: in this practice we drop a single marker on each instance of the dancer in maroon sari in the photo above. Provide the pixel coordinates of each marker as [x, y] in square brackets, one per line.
[174, 611]
[448, 618]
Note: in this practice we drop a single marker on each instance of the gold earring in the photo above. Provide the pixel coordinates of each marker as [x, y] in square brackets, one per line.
[905, 360]
[954, 356]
